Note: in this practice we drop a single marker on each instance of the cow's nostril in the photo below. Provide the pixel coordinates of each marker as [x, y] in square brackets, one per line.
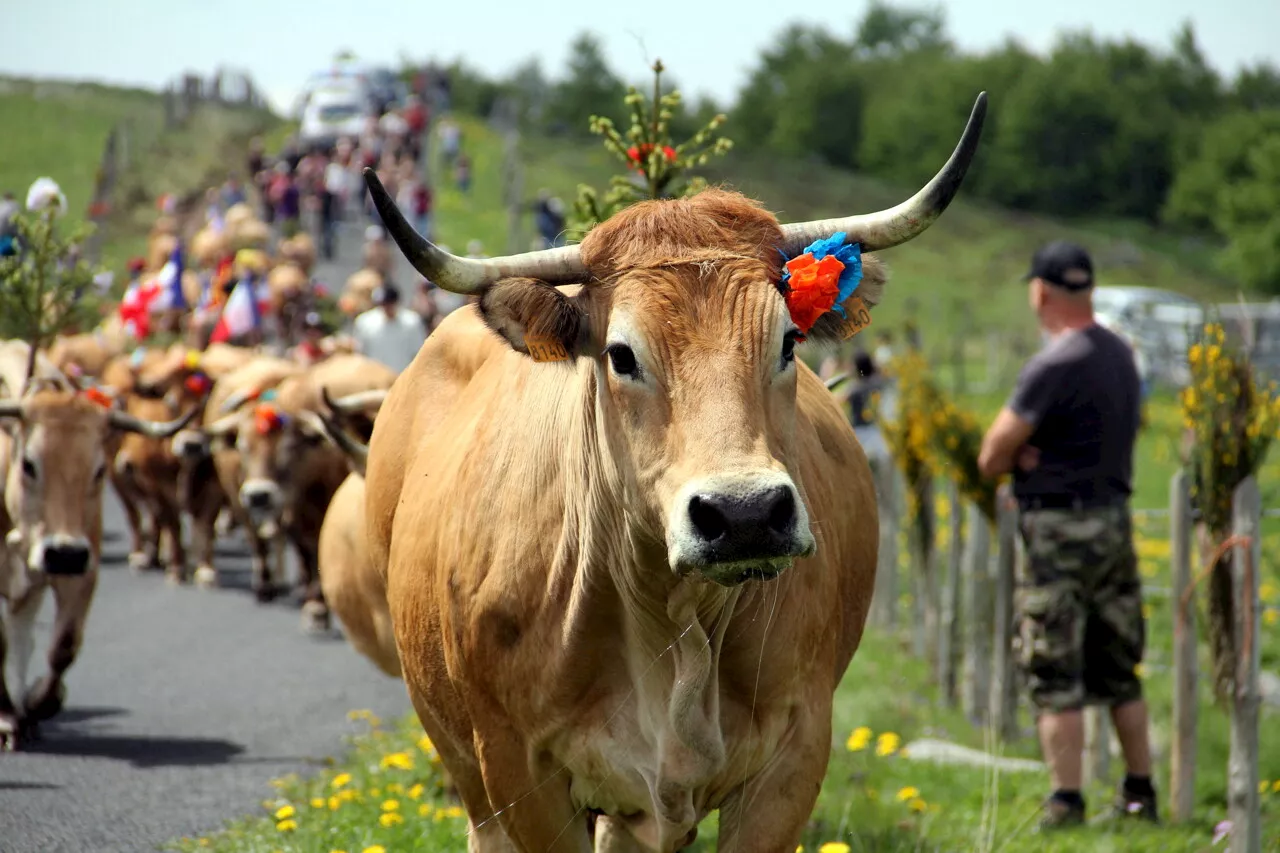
[257, 500]
[66, 559]
[707, 519]
[782, 515]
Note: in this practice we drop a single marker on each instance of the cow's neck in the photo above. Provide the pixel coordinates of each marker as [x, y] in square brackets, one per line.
[672, 630]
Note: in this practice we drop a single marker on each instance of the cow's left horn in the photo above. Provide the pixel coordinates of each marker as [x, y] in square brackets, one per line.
[152, 429]
[562, 265]
[887, 228]
[361, 401]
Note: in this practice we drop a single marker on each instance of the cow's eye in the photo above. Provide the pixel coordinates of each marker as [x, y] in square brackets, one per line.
[99, 474]
[623, 360]
[28, 468]
[789, 347]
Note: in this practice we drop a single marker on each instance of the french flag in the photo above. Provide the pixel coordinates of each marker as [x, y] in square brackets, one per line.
[241, 315]
[169, 281]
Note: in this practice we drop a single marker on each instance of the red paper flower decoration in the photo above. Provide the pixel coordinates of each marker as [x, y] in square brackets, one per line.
[813, 288]
[198, 383]
[98, 397]
[267, 419]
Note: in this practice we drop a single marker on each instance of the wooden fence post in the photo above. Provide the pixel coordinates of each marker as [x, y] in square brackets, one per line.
[1243, 807]
[924, 604]
[950, 617]
[884, 603]
[1003, 712]
[1182, 757]
[979, 625]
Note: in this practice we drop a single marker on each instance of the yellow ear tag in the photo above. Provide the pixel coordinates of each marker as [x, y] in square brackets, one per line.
[192, 360]
[857, 317]
[543, 348]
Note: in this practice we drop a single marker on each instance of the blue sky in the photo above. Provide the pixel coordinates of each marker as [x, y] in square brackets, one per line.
[709, 46]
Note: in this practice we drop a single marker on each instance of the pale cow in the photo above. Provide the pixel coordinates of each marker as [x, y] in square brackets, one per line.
[53, 464]
[625, 585]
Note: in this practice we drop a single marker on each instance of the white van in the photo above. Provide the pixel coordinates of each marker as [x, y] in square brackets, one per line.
[334, 111]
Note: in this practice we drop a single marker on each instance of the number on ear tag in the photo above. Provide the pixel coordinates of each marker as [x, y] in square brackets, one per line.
[857, 317]
[545, 348]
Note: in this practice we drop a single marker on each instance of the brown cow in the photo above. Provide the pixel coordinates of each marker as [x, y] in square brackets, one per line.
[210, 469]
[146, 469]
[53, 464]
[352, 589]
[627, 584]
[288, 471]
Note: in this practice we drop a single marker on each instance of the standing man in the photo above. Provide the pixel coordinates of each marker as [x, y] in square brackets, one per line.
[1067, 435]
[388, 333]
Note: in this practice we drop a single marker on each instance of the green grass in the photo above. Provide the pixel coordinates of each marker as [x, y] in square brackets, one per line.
[887, 690]
[63, 128]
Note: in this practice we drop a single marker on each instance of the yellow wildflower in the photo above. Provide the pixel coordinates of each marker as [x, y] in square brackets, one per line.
[395, 788]
[1270, 618]
[1140, 670]
[375, 792]
[917, 805]
[908, 793]
[859, 739]
[424, 809]
[334, 804]
[800, 848]
[1275, 787]
[285, 812]
[425, 744]
[398, 760]
[342, 780]
[317, 802]
[337, 851]
[416, 791]
[1263, 786]
[1146, 611]
[1267, 591]
[377, 848]
[390, 819]
[287, 825]
[834, 847]
[391, 805]
[454, 812]
[887, 744]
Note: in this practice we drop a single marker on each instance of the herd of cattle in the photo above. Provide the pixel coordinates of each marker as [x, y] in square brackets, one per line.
[618, 540]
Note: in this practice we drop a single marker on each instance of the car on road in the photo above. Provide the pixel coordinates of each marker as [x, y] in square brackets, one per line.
[336, 110]
[1158, 324]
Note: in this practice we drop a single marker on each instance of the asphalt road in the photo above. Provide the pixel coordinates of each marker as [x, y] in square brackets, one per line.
[183, 703]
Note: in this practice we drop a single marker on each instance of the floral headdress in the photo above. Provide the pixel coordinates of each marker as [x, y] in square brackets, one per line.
[821, 279]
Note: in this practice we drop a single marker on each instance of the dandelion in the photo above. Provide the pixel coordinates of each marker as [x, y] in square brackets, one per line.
[1263, 786]
[334, 804]
[859, 739]
[285, 812]
[317, 802]
[908, 793]
[287, 825]
[834, 847]
[424, 809]
[341, 780]
[887, 744]
[375, 792]
[1275, 787]
[397, 760]
[454, 812]
[377, 848]
[917, 805]
[416, 791]
[425, 744]
[390, 819]
[391, 805]
[1267, 591]
[1270, 618]
[395, 788]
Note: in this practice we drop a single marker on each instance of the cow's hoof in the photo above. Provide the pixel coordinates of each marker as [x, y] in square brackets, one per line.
[175, 576]
[315, 618]
[139, 561]
[225, 523]
[11, 731]
[266, 593]
[206, 577]
[44, 700]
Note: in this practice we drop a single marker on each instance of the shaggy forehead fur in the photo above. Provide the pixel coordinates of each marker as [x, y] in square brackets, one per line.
[712, 224]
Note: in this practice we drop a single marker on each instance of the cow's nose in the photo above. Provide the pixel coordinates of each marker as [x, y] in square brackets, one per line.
[255, 499]
[66, 558]
[746, 526]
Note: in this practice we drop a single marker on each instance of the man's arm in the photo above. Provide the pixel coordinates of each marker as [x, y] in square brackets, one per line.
[1002, 444]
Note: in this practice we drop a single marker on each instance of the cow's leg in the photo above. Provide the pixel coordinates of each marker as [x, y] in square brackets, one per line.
[122, 482]
[613, 836]
[20, 634]
[262, 580]
[171, 523]
[204, 513]
[769, 812]
[72, 595]
[315, 610]
[9, 722]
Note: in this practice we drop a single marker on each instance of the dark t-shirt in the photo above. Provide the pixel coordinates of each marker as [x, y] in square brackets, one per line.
[1081, 394]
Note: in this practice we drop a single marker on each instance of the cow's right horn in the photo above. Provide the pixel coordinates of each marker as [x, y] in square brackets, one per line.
[561, 265]
[153, 429]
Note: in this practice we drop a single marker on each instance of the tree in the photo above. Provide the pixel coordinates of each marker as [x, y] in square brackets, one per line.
[1257, 88]
[1217, 161]
[45, 288]
[887, 30]
[589, 88]
[1247, 216]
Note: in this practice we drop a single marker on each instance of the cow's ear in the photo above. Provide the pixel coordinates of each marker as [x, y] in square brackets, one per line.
[834, 328]
[535, 319]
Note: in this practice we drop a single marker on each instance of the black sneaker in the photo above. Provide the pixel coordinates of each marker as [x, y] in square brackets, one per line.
[1130, 805]
[1059, 814]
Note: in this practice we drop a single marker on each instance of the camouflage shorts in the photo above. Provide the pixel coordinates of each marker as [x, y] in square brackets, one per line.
[1081, 632]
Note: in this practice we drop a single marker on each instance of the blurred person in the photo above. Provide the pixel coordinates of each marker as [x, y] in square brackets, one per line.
[462, 173]
[313, 347]
[333, 193]
[388, 333]
[1067, 435]
[475, 249]
[867, 389]
[884, 348]
[232, 193]
[450, 136]
[287, 199]
[377, 252]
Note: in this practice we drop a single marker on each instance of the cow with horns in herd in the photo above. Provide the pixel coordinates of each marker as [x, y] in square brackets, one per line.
[616, 538]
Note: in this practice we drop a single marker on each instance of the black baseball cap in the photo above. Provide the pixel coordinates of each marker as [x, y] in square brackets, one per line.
[1064, 264]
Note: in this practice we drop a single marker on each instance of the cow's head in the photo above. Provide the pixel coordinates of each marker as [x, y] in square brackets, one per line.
[57, 464]
[682, 314]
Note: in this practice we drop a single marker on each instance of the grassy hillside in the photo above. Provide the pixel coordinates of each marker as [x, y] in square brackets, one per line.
[59, 129]
[971, 260]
